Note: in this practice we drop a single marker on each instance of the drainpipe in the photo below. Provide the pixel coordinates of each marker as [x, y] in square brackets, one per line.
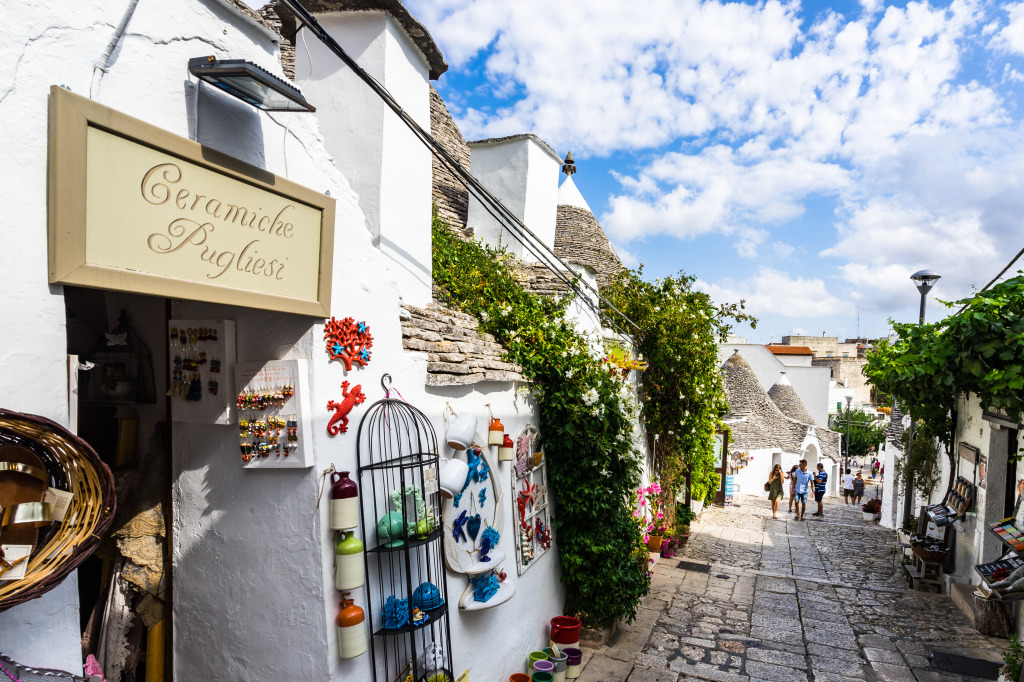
[102, 65]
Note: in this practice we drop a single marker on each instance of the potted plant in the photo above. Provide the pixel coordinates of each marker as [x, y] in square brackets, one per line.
[1014, 659]
[871, 509]
[669, 547]
[649, 514]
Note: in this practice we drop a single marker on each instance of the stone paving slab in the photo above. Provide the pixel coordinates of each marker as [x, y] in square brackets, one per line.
[787, 600]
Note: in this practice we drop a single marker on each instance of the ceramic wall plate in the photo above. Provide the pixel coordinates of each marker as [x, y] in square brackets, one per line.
[464, 553]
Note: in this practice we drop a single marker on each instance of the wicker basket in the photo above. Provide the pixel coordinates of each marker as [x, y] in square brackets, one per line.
[932, 556]
[72, 465]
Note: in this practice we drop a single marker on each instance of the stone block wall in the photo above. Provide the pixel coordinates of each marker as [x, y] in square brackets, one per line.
[457, 353]
[579, 239]
[284, 23]
[450, 195]
[538, 279]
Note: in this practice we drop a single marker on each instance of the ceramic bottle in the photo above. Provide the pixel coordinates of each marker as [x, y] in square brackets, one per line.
[351, 629]
[506, 451]
[350, 571]
[344, 501]
[495, 432]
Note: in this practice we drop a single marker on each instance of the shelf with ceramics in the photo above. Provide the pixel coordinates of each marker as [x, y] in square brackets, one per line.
[530, 495]
[407, 605]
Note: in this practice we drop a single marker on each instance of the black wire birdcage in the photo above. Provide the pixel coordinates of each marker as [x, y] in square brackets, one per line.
[407, 590]
[123, 371]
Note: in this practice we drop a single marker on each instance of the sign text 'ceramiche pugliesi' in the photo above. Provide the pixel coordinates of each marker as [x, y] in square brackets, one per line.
[140, 209]
[169, 217]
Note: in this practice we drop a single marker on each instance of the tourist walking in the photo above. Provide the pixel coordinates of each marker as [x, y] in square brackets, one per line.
[775, 492]
[820, 479]
[848, 487]
[803, 482]
[792, 487]
[858, 488]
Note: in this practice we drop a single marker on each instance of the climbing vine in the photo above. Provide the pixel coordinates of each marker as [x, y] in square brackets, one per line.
[978, 351]
[682, 393]
[586, 420]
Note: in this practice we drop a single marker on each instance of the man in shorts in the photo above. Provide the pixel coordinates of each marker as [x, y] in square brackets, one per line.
[820, 480]
[803, 481]
[848, 487]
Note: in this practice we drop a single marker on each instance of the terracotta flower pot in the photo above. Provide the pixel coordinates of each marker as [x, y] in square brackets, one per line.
[654, 543]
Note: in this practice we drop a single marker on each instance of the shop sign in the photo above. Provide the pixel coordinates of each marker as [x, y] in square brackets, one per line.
[136, 208]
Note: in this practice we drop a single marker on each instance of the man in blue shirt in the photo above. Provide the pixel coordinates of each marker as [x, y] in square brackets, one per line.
[803, 479]
[820, 479]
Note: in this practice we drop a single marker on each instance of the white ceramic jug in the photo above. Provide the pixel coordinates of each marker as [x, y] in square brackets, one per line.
[462, 432]
[452, 474]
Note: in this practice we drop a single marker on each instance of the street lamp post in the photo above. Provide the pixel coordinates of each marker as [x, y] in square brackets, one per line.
[846, 459]
[924, 280]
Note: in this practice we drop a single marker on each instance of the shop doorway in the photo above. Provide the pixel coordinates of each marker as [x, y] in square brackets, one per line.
[117, 352]
[1010, 494]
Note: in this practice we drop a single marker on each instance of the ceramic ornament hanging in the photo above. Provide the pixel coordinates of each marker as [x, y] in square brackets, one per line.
[344, 501]
[351, 629]
[348, 341]
[350, 572]
[505, 452]
[495, 433]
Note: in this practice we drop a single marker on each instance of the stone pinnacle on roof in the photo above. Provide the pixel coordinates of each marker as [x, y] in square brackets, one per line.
[788, 400]
[569, 167]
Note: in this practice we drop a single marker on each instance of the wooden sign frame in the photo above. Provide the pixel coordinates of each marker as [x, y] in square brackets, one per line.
[71, 118]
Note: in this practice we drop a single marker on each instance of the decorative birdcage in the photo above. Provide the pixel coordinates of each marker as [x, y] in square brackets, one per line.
[406, 588]
[123, 368]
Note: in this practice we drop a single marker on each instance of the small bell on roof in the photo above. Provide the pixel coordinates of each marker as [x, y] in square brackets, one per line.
[569, 166]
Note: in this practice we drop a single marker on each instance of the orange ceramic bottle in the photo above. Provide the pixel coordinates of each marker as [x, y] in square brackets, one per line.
[495, 432]
[351, 629]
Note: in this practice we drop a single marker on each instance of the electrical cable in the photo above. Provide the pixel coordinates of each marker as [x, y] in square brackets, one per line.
[492, 205]
[995, 279]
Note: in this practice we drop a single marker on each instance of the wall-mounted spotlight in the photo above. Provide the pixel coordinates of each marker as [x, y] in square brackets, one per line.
[249, 83]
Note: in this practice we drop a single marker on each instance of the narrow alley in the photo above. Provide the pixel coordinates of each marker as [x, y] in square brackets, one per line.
[752, 598]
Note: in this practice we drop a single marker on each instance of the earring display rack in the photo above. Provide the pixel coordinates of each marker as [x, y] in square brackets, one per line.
[202, 358]
[406, 589]
[274, 417]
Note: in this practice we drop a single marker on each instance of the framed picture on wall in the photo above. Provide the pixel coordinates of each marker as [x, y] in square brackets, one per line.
[982, 469]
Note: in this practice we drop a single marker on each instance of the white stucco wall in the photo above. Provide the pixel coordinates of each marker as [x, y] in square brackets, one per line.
[375, 151]
[523, 174]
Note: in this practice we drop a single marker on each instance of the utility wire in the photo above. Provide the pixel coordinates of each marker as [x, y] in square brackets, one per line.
[995, 279]
[494, 207]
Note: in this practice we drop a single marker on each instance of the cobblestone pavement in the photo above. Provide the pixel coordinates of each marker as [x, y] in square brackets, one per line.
[787, 600]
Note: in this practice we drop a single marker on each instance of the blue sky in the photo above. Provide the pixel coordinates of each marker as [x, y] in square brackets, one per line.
[806, 157]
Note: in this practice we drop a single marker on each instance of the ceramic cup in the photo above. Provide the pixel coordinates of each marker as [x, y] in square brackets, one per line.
[560, 664]
[452, 474]
[543, 667]
[540, 676]
[533, 658]
[462, 432]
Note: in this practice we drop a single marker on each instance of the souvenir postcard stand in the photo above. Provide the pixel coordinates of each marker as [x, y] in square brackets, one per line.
[470, 519]
[954, 505]
[274, 418]
[202, 357]
[1010, 532]
[406, 587]
[530, 499]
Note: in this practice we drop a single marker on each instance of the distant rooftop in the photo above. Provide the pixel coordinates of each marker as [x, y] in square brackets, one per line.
[780, 349]
[512, 138]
